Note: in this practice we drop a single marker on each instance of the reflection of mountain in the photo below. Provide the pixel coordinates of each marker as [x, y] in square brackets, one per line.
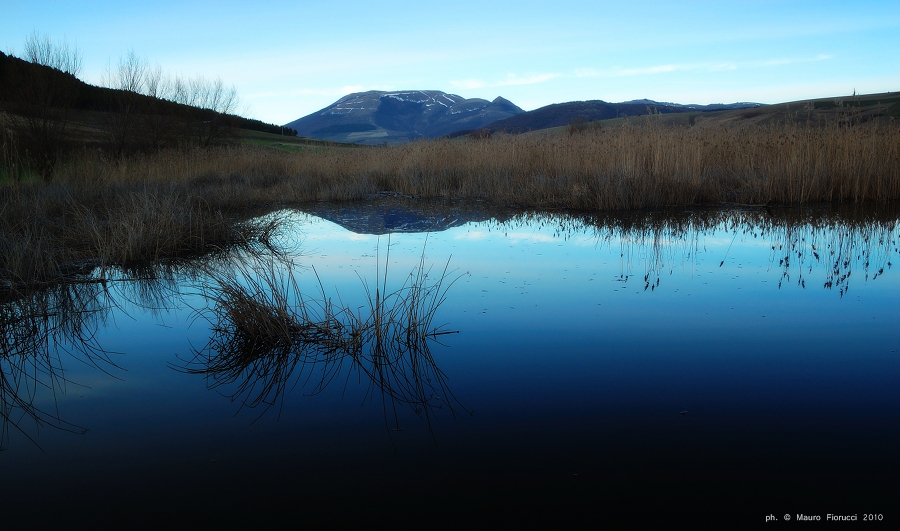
[835, 239]
[387, 215]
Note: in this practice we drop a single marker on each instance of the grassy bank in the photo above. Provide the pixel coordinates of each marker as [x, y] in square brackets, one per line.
[103, 212]
[628, 167]
[50, 232]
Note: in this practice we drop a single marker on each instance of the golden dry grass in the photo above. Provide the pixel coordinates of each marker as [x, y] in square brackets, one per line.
[628, 167]
[102, 212]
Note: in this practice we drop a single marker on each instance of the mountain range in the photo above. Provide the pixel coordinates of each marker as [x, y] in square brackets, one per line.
[377, 117]
[560, 114]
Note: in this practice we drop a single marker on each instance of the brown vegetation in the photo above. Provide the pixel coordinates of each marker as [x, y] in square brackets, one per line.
[148, 207]
[269, 336]
[49, 114]
[56, 231]
[629, 167]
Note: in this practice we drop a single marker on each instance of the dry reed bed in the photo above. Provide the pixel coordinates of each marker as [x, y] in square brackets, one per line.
[639, 167]
[629, 167]
[54, 232]
[101, 212]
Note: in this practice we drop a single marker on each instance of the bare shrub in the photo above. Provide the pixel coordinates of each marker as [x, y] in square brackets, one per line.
[41, 100]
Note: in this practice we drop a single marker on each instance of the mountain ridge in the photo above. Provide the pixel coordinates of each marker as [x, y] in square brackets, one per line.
[376, 116]
[561, 114]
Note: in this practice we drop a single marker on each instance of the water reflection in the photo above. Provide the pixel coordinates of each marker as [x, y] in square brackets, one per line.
[397, 214]
[836, 241]
[43, 330]
[269, 336]
[39, 328]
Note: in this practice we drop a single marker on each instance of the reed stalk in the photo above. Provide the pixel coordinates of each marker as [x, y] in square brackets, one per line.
[173, 203]
[268, 335]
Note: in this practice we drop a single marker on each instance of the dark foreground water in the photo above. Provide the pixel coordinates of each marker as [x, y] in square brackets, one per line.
[704, 367]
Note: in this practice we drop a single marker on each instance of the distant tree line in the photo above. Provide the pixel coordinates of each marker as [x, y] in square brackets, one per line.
[46, 111]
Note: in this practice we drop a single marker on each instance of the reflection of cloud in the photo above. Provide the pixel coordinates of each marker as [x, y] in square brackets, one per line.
[730, 240]
[338, 235]
[475, 235]
[512, 237]
[517, 237]
[585, 241]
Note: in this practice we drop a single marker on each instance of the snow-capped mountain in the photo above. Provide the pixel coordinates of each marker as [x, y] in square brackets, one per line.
[375, 117]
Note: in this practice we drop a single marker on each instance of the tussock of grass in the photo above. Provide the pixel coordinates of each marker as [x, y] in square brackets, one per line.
[269, 336]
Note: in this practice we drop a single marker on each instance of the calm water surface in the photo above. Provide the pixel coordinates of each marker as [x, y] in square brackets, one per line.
[729, 363]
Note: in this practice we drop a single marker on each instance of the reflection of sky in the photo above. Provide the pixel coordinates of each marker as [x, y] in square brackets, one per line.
[533, 297]
[565, 353]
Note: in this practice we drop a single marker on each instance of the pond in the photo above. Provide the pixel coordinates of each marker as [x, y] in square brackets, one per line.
[461, 365]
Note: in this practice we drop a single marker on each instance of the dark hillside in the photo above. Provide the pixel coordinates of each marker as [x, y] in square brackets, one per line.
[18, 77]
[841, 110]
[560, 114]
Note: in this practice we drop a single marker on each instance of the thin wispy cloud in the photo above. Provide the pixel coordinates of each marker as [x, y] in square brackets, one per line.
[468, 83]
[297, 62]
[787, 61]
[622, 72]
[708, 67]
[661, 69]
[350, 89]
[511, 80]
[332, 91]
[530, 80]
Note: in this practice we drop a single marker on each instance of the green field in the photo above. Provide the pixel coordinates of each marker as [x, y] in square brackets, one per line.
[292, 144]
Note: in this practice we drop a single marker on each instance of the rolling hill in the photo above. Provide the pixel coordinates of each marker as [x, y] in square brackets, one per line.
[560, 114]
[19, 76]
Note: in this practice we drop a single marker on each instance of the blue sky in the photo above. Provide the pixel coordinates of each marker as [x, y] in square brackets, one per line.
[288, 59]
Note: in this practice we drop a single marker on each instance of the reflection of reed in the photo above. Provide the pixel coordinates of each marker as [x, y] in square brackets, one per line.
[40, 327]
[36, 327]
[269, 336]
[838, 241]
